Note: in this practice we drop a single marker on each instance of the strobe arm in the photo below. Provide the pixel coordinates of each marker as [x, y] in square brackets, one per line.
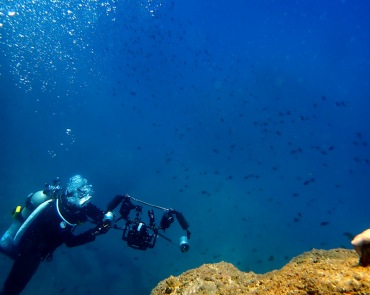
[183, 222]
[115, 202]
[126, 205]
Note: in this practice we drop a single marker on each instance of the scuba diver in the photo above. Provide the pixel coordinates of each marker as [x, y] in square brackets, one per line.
[50, 216]
[45, 223]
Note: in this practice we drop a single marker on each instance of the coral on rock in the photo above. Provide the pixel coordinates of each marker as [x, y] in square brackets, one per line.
[315, 272]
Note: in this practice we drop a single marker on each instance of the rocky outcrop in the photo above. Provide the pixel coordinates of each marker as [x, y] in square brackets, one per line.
[311, 273]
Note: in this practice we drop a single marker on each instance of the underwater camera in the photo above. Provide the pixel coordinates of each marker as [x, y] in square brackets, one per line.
[140, 235]
[135, 232]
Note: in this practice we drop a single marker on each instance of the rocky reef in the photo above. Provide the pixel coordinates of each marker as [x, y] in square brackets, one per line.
[315, 272]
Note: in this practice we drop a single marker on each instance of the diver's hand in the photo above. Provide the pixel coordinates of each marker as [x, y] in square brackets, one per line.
[104, 226]
[109, 218]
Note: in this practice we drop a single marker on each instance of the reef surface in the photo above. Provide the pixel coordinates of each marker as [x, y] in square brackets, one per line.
[316, 272]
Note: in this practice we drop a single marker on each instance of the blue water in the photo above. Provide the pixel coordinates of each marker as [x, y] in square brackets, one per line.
[250, 117]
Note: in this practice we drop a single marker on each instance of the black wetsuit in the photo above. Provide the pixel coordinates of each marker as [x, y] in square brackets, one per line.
[44, 235]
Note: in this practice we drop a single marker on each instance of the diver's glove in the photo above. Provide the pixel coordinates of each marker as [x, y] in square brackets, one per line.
[105, 225]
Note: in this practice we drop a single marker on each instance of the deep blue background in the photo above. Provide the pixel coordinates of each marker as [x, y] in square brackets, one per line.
[250, 117]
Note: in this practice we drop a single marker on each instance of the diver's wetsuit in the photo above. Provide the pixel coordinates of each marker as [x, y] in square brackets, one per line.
[45, 234]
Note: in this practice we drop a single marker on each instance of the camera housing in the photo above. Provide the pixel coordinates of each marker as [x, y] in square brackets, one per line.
[137, 236]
